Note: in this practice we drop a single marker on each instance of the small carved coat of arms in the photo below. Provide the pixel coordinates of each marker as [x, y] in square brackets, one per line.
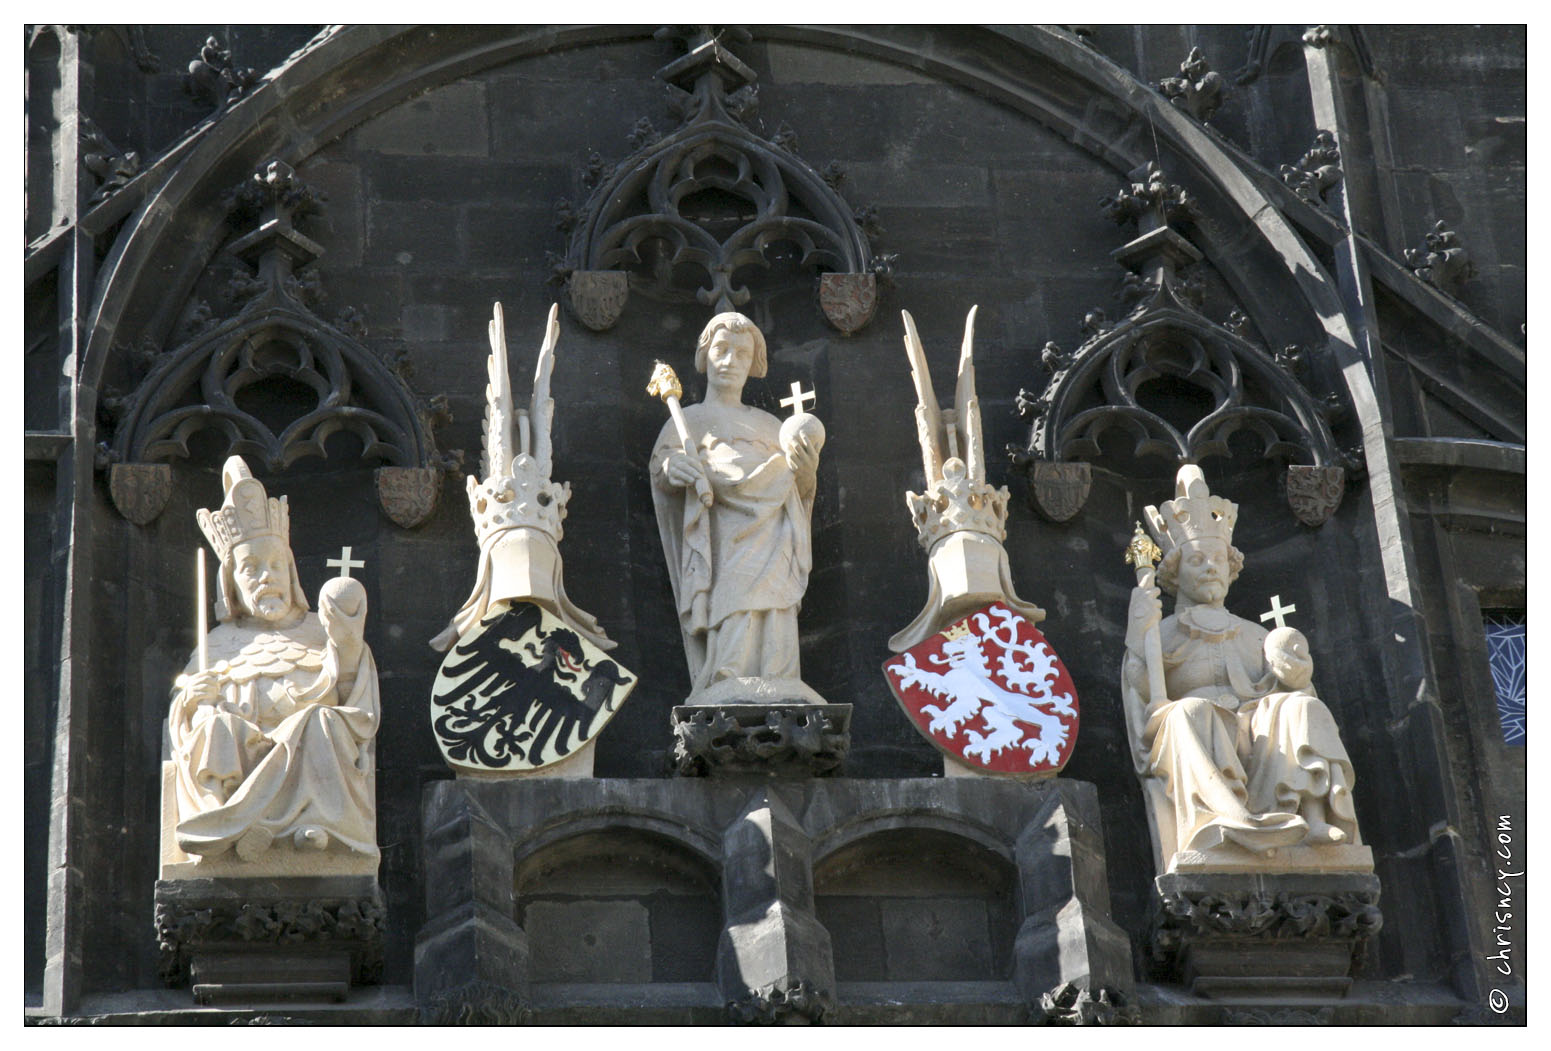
[520, 691]
[989, 691]
[1059, 489]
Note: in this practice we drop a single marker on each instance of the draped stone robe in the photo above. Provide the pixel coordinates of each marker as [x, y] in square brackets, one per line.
[1236, 760]
[281, 750]
[739, 568]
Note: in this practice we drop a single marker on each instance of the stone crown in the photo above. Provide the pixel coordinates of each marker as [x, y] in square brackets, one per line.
[525, 498]
[955, 503]
[1194, 513]
[247, 513]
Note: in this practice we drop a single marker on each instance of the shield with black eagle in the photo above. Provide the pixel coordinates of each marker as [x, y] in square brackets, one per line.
[520, 691]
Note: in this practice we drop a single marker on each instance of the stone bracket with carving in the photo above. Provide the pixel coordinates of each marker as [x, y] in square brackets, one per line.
[643, 220]
[248, 940]
[801, 740]
[1230, 935]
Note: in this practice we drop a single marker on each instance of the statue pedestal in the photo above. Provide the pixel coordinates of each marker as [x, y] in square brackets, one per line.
[1297, 936]
[256, 940]
[775, 740]
[707, 899]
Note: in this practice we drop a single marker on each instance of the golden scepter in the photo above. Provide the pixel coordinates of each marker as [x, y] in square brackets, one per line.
[664, 384]
[1141, 553]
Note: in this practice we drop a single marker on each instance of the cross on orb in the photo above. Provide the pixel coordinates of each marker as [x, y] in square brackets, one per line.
[345, 563]
[1278, 612]
[798, 397]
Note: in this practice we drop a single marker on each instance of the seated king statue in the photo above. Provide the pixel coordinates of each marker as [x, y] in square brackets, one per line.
[272, 722]
[1241, 763]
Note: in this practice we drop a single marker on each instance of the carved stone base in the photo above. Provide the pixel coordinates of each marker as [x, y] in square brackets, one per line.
[1071, 1004]
[800, 740]
[239, 941]
[1267, 936]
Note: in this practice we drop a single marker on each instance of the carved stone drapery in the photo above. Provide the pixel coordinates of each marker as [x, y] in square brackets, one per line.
[1103, 388]
[332, 382]
[713, 198]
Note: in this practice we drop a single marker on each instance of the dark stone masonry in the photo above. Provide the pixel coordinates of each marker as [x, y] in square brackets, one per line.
[1293, 255]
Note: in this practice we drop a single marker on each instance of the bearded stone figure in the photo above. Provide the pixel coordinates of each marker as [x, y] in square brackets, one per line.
[734, 494]
[272, 740]
[1241, 762]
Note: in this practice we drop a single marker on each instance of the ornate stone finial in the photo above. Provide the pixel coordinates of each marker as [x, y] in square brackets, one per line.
[1197, 90]
[112, 168]
[1441, 261]
[1151, 201]
[1193, 514]
[1317, 171]
[215, 79]
[247, 513]
[1319, 36]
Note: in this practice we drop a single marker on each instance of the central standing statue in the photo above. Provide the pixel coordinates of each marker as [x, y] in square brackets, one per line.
[733, 489]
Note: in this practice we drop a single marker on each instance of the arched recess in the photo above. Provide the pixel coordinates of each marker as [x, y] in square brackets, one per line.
[912, 903]
[618, 904]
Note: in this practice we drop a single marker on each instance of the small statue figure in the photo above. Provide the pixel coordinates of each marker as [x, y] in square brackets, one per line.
[1234, 748]
[272, 722]
[733, 488]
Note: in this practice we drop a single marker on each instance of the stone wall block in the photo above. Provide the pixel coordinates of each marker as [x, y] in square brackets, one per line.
[471, 957]
[1068, 936]
[775, 957]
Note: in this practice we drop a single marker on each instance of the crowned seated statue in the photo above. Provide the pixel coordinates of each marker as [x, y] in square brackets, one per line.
[1241, 762]
[272, 727]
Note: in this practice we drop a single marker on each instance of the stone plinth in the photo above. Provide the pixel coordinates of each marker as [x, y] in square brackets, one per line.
[246, 941]
[1265, 936]
[707, 889]
[799, 740]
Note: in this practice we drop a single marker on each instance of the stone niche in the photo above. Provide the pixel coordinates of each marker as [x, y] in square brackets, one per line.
[705, 900]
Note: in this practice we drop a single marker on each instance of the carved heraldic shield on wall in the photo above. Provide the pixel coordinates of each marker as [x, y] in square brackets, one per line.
[521, 690]
[989, 691]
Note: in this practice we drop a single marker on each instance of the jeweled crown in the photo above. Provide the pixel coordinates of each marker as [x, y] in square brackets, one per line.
[956, 503]
[524, 498]
[1193, 514]
[247, 513]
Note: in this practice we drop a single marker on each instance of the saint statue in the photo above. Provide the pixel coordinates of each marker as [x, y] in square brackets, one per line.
[733, 488]
[1234, 747]
[272, 739]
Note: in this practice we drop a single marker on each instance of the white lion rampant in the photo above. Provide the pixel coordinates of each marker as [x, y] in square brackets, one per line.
[968, 688]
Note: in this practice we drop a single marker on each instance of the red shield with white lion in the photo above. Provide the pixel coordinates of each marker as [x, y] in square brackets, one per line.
[989, 691]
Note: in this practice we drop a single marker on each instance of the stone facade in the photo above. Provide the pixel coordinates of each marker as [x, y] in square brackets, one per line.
[451, 167]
